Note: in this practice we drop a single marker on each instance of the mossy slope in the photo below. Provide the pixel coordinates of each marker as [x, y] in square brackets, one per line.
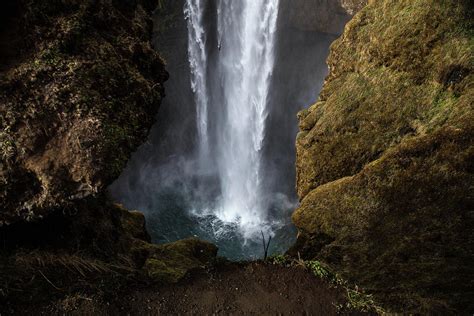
[385, 157]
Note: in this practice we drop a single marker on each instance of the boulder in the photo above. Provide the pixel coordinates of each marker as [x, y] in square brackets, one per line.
[75, 102]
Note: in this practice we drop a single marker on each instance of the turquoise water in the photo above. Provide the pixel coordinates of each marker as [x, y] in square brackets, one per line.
[173, 219]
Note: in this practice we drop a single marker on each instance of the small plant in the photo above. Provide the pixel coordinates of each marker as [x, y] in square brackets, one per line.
[318, 269]
[266, 245]
[279, 260]
[358, 300]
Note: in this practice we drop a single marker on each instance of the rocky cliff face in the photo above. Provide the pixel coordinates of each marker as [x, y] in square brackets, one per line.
[324, 16]
[385, 158]
[75, 103]
[80, 86]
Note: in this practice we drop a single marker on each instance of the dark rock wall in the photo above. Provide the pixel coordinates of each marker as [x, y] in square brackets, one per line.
[78, 97]
[79, 92]
[323, 16]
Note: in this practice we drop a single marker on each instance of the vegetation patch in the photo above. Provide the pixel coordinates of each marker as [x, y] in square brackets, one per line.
[357, 300]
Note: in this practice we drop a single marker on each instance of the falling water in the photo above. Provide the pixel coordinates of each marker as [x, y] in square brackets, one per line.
[194, 14]
[245, 59]
[246, 36]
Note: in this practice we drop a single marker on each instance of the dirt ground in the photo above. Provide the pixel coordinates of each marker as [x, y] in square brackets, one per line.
[255, 289]
[232, 289]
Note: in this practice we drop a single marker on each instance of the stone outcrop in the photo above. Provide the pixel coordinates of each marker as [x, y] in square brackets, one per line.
[385, 157]
[77, 100]
[169, 263]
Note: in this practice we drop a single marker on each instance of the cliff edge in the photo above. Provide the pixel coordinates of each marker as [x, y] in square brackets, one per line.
[385, 158]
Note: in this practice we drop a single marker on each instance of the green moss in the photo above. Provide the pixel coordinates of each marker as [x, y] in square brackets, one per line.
[383, 157]
[163, 272]
[171, 262]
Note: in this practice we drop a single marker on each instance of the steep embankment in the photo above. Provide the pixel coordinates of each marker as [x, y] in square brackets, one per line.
[385, 158]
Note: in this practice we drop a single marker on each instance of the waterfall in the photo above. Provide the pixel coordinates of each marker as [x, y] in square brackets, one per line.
[194, 14]
[240, 82]
[219, 162]
[246, 31]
